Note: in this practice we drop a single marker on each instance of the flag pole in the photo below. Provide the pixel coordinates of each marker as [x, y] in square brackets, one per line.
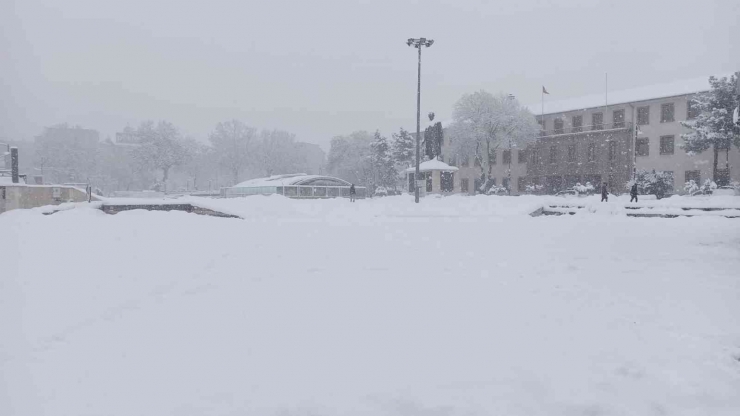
[606, 93]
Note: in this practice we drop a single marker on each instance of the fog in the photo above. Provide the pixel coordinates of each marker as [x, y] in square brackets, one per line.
[324, 68]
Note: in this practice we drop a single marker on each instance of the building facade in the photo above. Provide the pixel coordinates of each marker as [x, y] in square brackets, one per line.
[582, 141]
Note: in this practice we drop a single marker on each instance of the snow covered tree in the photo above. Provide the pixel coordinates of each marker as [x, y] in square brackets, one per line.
[713, 127]
[231, 142]
[483, 123]
[160, 147]
[196, 166]
[404, 148]
[383, 164]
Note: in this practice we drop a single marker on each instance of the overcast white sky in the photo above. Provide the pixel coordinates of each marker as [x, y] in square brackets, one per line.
[323, 68]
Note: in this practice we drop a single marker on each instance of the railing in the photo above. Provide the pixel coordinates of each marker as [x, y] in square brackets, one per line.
[296, 191]
[585, 129]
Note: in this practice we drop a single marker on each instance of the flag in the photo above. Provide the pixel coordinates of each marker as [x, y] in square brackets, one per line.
[544, 91]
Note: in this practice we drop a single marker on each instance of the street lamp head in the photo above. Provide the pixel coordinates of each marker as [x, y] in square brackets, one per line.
[429, 43]
[410, 41]
[431, 116]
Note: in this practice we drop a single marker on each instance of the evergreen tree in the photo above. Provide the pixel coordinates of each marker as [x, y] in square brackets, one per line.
[383, 164]
[404, 148]
[713, 127]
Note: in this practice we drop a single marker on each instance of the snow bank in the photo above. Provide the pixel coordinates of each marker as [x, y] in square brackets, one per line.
[455, 306]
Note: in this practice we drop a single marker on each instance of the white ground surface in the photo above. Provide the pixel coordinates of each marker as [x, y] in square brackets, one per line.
[457, 306]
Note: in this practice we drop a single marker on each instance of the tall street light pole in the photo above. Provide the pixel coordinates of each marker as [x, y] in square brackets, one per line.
[418, 43]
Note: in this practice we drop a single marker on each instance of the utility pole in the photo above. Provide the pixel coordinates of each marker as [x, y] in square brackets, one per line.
[418, 43]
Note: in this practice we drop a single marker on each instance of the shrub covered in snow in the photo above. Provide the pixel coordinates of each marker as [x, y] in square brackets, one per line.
[497, 190]
[584, 189]
[690, 187]
[658, 183]
[532, 189]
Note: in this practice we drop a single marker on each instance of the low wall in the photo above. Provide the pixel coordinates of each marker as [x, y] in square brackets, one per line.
[32, 196]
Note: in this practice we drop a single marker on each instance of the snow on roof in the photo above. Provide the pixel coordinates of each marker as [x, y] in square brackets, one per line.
[431, 165]
[283, 180]
[649, 92]
[8, 180]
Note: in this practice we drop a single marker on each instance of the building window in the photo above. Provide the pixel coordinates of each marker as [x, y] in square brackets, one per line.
[591, 152]
[597, 121]
[522, 156]
[666, 113]
[558, 126]
[612, 150]
[553, 154]
[429, 181]
[618, 117]
[643, 116]
[506, 157]
[534, 156]
[693, 175]
[577, 124]
[571, 153]
[464, 185]
[692, 110]
[667, 145]
[642, 146]
[572, 180]
[465, 161]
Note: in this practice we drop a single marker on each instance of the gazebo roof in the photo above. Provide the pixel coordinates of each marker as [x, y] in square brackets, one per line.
[432, 165]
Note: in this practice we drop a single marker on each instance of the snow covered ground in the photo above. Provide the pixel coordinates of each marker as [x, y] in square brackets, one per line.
[457, 306]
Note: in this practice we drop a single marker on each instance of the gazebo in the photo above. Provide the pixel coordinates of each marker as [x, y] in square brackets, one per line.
[439, 176]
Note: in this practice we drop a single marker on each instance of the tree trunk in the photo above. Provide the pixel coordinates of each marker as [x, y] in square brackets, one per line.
[166, 172]
[235, 171]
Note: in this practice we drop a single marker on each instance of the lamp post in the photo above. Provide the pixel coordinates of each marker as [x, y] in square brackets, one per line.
[418, 43]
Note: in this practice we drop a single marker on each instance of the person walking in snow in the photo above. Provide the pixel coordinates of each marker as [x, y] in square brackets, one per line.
[633, 192]
[352, 193]
[604, 193]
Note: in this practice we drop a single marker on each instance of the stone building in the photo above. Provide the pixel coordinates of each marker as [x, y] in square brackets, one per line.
[592, 139]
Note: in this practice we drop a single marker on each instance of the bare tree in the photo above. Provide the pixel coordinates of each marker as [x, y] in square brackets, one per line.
[231, 142]
[160, 146]
[278, 153]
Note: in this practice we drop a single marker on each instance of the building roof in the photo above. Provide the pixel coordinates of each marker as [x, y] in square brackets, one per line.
[431, 165]
[288, 180]
[649, 92]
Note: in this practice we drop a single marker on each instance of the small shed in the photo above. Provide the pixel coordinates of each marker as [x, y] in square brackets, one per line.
[439, 177]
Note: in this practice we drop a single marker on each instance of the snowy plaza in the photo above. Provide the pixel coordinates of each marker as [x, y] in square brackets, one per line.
[455, 306]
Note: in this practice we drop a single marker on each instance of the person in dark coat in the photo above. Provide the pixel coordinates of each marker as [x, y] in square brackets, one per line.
[352, 193]
[604, 193]
[633, 192]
